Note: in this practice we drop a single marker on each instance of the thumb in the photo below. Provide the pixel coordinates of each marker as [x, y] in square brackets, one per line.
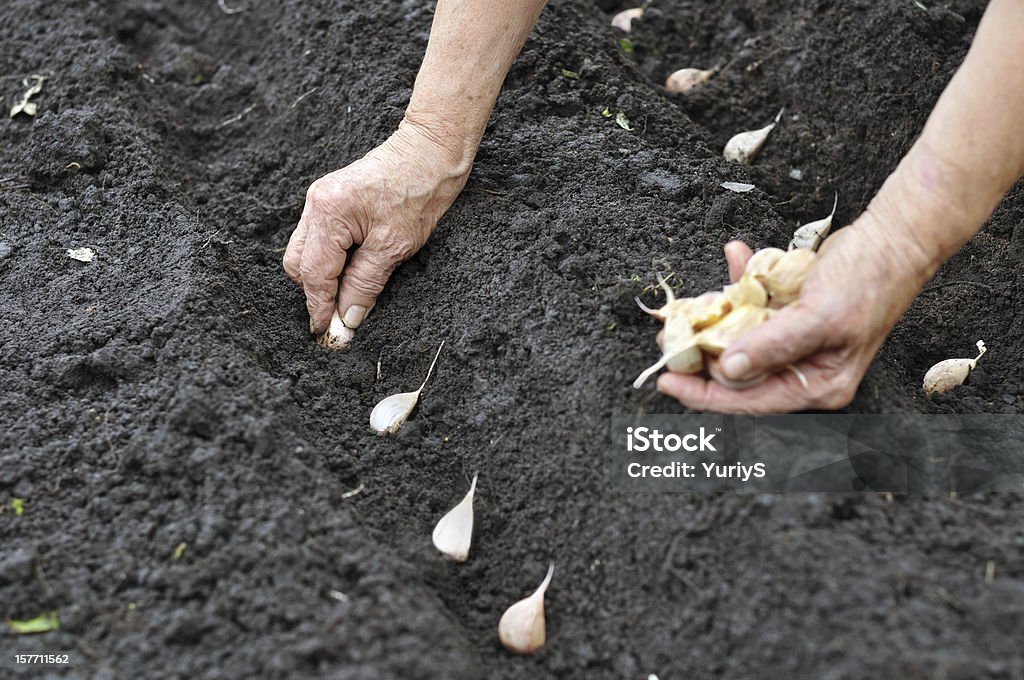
[737, 254]
[362, 281]
[789, 336]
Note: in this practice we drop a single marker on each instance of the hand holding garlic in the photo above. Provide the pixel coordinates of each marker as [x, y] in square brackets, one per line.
[863, 278]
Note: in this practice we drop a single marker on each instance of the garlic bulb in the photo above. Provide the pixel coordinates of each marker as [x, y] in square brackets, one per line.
[624, 19]
[813, 233]
[787, 276]
[521, 628]
[391, 413]
[454, 532]
[685, 79]
[945, 375]
[337, 336]
[743, 147]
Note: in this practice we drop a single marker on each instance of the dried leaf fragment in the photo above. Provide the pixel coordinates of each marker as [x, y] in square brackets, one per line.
[29, 108]
[82, 254]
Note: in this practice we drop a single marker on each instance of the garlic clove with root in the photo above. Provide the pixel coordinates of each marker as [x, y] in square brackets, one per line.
[454, 532]
[945, 375]
[391, 413]
[813, 233]
[743, 147]
[624, 19]
[337, 336]
[679, 346]
[522, 628]
[787, 276]
[685, 79]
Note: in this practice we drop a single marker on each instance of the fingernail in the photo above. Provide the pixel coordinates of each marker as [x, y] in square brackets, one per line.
[354, 316]
[736, 366]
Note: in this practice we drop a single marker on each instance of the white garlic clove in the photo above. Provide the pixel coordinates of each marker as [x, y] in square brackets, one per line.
[787, 276]
[522, 628]
[391, 413]
[685, 79]
[813, 233]
[747, 291]
[683, 354]
[945, 375]
[743, 147]
[624, 19]
[337, 336]
[762, 262]
[454, 532]
[714, 339]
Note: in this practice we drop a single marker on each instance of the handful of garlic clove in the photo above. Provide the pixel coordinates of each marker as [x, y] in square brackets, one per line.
[699, 329]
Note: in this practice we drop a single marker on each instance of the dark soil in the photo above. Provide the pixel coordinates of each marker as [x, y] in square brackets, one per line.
[168, 393]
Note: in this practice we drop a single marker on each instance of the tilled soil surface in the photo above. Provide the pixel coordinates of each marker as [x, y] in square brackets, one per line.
[184, 452]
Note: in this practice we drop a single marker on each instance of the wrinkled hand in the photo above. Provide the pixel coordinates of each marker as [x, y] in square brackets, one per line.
[359, 223]
[865, 276]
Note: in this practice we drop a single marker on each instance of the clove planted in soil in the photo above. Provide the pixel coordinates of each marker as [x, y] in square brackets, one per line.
[813, 233]
[454, 532]
[686, 79]
[945, 375]
[624, 19]
[743, 147]
[391, 413]
[522, 627]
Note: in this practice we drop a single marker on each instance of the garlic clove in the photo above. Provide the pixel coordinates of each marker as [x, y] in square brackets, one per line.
[716, 374]
[715, 339]
[624, 19]
[454, 532]
[762, 262]
[746, 291]
[685, 79]
[337, 336]
[391, 413]
[787, 277]
[743, 147]
[707, 309]
[522, 627]
[813, 233]
[683, 354]
[945, 375]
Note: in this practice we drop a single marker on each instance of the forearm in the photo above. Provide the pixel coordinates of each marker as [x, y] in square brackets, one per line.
[472, 46]
[972, 148]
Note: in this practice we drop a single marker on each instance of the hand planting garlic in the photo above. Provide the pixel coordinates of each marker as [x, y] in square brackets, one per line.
[522, 628]
[391, 413]
[454, 533]
[699, 329]
[945, 375]
[813, 233]
[685, 79]
[743, 147]
[337, 336]
[624, 19]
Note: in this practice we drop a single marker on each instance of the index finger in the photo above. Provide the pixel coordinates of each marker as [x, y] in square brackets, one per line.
[323, 258]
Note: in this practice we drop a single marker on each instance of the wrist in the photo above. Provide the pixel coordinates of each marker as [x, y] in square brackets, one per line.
[453, 143]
